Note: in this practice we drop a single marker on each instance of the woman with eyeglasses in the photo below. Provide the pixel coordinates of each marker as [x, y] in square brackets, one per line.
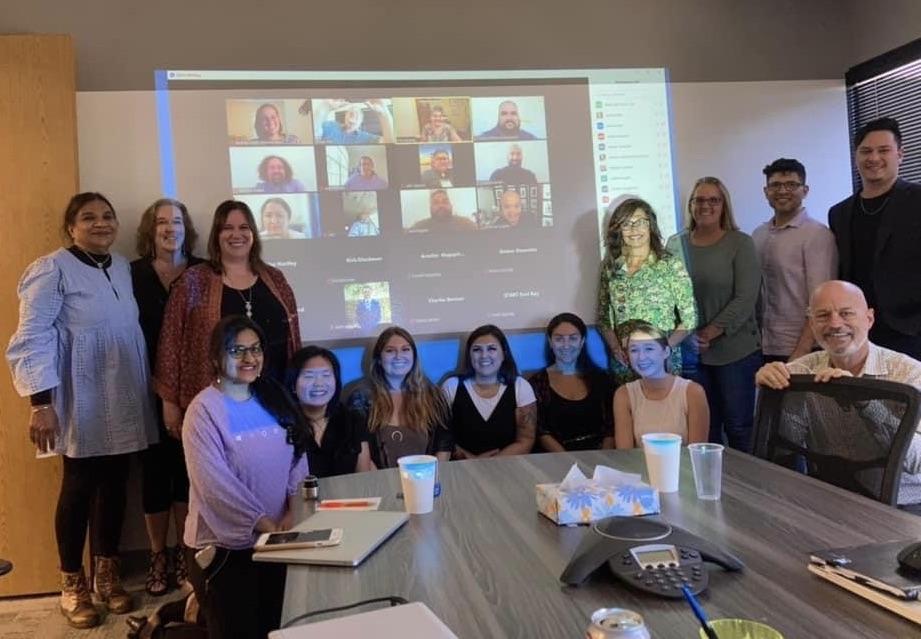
[642, 280]
[573, 395]
[493, 408]
[234, 281]
[725, 352]
[244, 441]
[405, 413]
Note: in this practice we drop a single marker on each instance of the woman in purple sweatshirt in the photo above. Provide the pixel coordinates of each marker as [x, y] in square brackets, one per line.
[244, 442]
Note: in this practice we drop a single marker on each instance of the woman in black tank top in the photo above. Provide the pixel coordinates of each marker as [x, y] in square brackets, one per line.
[493, 409]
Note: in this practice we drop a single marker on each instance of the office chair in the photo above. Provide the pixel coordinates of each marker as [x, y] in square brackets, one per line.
[855, 433]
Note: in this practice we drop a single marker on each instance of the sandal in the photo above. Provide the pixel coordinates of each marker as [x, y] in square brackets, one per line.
[157, 583]
[179, 566]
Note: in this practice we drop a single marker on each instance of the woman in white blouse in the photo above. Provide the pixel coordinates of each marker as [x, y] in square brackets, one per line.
[493, 409]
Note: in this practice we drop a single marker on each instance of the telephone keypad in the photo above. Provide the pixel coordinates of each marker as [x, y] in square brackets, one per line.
[664, 578]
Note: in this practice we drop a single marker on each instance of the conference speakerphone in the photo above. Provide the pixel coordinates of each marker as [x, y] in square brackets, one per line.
[648, 554]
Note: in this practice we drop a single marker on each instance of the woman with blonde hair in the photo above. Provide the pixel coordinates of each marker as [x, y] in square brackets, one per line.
[405, 413]
[165, 240]
[726, 349]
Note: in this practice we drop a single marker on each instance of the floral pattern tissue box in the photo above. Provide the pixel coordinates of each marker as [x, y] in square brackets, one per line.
[610, 492]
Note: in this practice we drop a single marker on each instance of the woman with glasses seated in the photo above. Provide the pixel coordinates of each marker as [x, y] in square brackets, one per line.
[493, 409]
[725, 352]
[244, 441]
[405, 413]
[640, 279]
[657, 402]
[573, 395]
[339, 443]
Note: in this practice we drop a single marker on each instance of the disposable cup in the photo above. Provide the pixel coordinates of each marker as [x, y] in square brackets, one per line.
[741, 629]
[663, 460]
[707, 463]
[417, 474]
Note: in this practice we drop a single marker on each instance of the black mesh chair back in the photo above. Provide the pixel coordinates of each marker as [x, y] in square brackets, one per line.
[850, 432]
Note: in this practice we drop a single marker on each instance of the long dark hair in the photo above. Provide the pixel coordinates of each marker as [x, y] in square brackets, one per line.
[221, 213]
[508, 370]
[271, 395]
[584, 364]
[614, 236]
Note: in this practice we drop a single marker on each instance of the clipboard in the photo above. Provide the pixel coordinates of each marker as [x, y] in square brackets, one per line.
[910, 610]
[873, 566]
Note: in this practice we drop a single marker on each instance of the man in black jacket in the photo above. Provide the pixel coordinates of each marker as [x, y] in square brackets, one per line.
[878, 233]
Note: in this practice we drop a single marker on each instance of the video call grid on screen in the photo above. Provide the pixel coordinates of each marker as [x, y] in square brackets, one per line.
[438, 201]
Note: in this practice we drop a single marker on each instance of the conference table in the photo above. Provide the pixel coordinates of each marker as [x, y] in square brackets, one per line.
[488, 563]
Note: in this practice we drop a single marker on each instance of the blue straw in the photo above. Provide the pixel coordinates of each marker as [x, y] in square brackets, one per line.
[699, 613]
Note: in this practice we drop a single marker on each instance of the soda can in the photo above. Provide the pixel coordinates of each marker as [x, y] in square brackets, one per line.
[616, 623]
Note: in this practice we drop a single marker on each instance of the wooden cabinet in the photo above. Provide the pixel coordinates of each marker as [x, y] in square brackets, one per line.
[38, 174]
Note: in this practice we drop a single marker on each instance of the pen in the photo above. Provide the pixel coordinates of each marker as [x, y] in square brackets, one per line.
[699, 613]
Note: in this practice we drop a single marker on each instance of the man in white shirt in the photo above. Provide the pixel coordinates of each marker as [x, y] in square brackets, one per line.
[841, 321]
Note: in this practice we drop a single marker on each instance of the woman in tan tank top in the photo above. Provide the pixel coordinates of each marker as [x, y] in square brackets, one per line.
[658, 402]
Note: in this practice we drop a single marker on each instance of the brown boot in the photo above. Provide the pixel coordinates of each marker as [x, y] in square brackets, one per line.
[109, 586]
[76, 602]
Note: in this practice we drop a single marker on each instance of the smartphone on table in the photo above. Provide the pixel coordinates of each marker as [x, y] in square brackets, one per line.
[293, 539]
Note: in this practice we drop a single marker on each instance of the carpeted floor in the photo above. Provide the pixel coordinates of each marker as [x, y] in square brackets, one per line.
[40, 618]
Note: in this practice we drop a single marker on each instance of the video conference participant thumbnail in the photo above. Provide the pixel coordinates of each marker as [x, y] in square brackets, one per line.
[432, 119]
[439, 210]
[341, 121]
[512, 163]
[269, 122]
[285, 217]
[350, 214]
[367, 305]
[272, 169]
[509, 118]
[357, 168]
[522, 207]
[439, 165]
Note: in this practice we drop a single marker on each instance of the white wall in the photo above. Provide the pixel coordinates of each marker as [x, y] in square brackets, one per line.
[731, 130]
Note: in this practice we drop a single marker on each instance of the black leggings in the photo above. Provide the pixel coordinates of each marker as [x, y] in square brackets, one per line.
[91, 487]
[165, 480]
[239, 597]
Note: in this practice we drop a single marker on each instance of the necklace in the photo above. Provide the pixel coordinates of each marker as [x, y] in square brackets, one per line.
[104, 264]
[877, 209]
[247, 302]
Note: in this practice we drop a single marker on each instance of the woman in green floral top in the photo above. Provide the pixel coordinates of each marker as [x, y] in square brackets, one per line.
[640, 280]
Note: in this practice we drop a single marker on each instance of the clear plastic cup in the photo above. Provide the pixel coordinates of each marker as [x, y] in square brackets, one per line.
[707, 463]
[741, 629]
[417, 475]
[663, 460]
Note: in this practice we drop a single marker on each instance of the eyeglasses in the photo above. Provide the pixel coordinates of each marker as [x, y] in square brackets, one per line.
[783, 186]
[638, 223]
[712, 201]
[239, 352]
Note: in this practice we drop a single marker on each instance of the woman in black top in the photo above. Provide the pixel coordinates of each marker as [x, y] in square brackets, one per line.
[165, 239]
[492, 407]
[574, 397]
[405, 413]
[339, 440]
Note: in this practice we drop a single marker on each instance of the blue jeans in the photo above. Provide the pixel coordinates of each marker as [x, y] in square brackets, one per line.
[730, 391]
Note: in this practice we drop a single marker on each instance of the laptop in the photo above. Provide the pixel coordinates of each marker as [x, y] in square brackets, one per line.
[362, 533]
[410, 621]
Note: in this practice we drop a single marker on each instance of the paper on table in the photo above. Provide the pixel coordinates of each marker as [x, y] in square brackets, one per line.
[353, 503]
[603, 475]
